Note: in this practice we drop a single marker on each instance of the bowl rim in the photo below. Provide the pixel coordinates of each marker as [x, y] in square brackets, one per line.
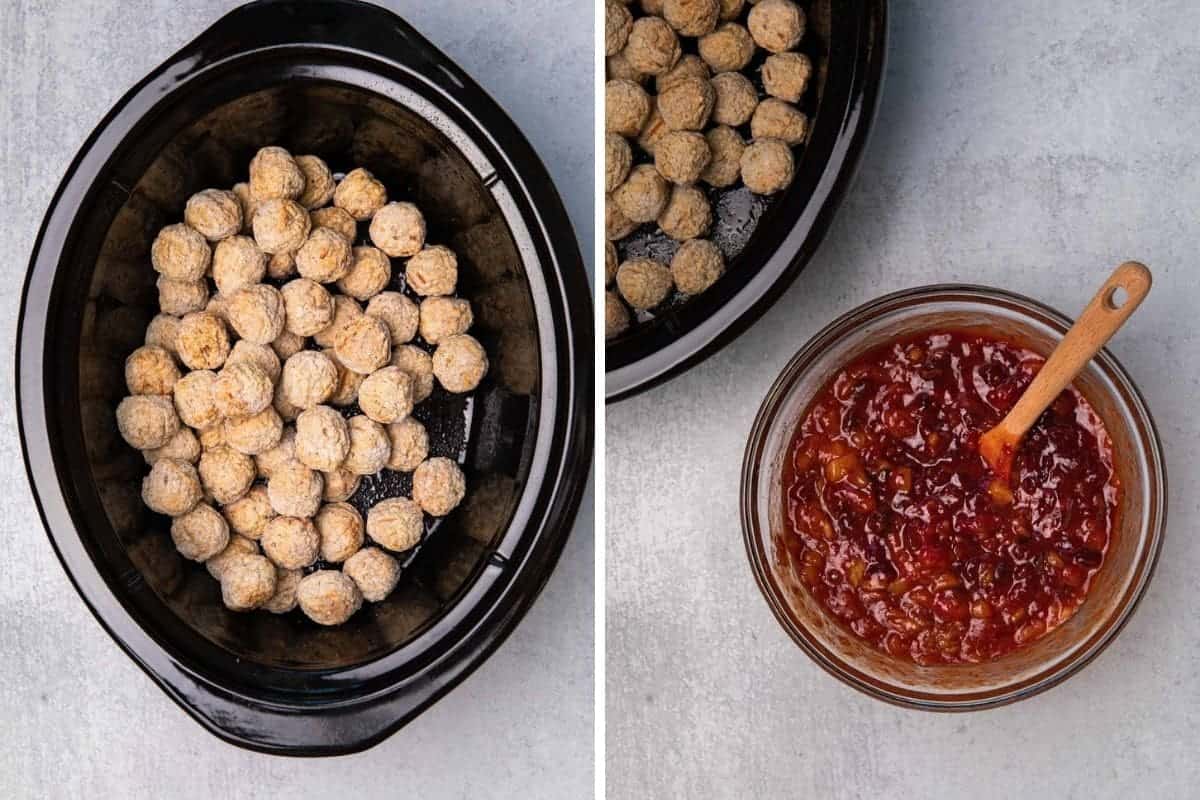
[754, 454]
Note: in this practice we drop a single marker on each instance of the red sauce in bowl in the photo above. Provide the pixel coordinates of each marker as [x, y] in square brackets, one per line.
[898, 528]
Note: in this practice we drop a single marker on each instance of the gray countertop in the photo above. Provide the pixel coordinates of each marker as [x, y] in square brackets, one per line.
[1023, 144]
[80, 720]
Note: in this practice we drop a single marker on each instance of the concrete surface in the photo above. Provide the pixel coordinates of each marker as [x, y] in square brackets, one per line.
[1022, 144]
[79, 719]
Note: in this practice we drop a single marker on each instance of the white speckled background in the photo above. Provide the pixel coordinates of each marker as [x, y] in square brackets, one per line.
[79, 719]
[1022, 144]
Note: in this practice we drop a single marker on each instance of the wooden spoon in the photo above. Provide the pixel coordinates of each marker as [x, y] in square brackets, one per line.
[1095, 326]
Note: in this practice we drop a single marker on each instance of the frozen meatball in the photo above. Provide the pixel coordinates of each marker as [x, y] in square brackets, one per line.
[308, 307]
[654, 129]
[419, 365]
[370, 271]
[275, 175]
[242, 389]
[280, 226]
[786, 76]
[254, 433]
[180, 253]
[328, 597]
[360, 194]
[295, 490]
[200, 533]
[226, 473]
[340, 527]
[151, 370]
[386, 395]
[256, 313]
[194, 399]
[725, 167]
[398, 229]
[433, 271]
[396, 523]
[249, 515]
[345, 311]
[309, 378]
[337, 219]
[689, 66]
[340, 485]
[171, 488]
[248, 202]
[318, 182]
[696, 266]
[284, 452]
[322, 438]
[260, 355]
[438, 486]
[459, 363]
[398, 312]
[681, 156]
[287, 344]
[162, 332]
[652, 47]
[775, 119]
[444, 316]
[325, 256]
[291, 542]
[776, 25]
[183, 446]
[369, 446]
[181, 297]
[348, 382]
[618, 158]
[692, 17]
[247, 583]
[238, 546]
[202, 341]
[616, 224]
[642, 197]
[610, 263]
[374, 572]
[643, 282]
[736, 99]
[409, 443]
[618, 68]
[688, 214]
[147, 421]
[616, 315]
[617, 24]
[213, 213]
[626, 106]
[687, 104]
[237, 262]
[287, 581]
[727, 49]
[363, 345]
[767, 166]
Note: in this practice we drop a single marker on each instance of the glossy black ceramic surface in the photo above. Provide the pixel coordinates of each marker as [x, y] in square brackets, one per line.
[357, 86]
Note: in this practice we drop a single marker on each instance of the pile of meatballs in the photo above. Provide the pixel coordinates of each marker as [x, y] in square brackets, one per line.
[676, 119]
[263, 335]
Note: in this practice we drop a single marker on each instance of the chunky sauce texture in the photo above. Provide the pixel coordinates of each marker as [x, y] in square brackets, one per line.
[897, 526]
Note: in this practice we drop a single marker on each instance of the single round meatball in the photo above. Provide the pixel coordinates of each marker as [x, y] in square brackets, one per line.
[284, 452]
[369, 446]
[260, 355]
[291, 542]
[226, 474]
[237, 263]
[438, 486]
[360, 194]
[287, 581]
[643, 282]
[200, 533]
[653, 131]
[249, 204]
[626, 106]
[322, 438]
[257, 313]
[337, 219]
[616, 224]
[616, 315]
[696, 266]
[725, 167]
[249, 515]
[363, 345]
[340, 485]
[692, 17]
[328, 597]
[202, 341]
[254, 433]
[776, 25]
[775, 119]
[652, 47]
[374, 572]
[275, 175]
[681, 156]
[152, 370]
[444, 316]
[162, 332]
[433, 271]
[194, 399]
[183, 446]
[398, 229]
[617, 24]
[295, 490]
[308, 307]
[325, 256]
[731, 9]
[147, 421]
[419, 365]
[171, 488]
[386, 395]
[238, 546]
[409, 444]
[642, 197]
[689, 66]
[736, 99]
[280, 226]
[180, 253]
[213, 213]
[181, 297]
[370, 271]
[281, 266]
[688, 214]
[786, 76]
[242, 389]
[618, 158]
[398, 312]
[727, 49]
[687, 104]
[396, 523]
[610, 263]
[247, 583]
[318, 182]
[341, 529]
[348, 383]
[767, 166]
[618, 68]
[287, 344]
[459, 363]
[345, 311]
